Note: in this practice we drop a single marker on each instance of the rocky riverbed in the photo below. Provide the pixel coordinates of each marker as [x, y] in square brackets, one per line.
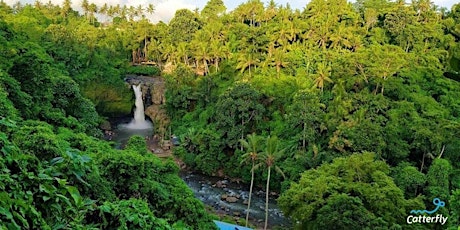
[231, 198]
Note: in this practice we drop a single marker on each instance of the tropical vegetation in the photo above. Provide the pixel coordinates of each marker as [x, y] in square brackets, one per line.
[356, 105]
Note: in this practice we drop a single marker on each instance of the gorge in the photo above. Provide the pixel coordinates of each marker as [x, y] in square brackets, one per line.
[208, 189]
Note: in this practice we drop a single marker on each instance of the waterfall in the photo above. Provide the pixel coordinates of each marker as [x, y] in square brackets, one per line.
[139, 117]
[139, 121]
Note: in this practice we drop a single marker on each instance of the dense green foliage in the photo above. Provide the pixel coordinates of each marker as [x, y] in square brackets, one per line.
[62, 179]
[332, 80]
[143, 70]
[352, 193]
[364, 99]
[54, 171]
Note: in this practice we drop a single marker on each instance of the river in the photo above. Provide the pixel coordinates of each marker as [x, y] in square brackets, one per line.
[210, 190]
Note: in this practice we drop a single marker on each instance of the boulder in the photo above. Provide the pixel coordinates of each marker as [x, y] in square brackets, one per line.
[231, 199]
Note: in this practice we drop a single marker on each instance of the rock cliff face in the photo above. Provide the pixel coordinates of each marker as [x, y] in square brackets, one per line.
[153, 92]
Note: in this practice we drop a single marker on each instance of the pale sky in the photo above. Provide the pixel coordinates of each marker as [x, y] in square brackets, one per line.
[165, 9]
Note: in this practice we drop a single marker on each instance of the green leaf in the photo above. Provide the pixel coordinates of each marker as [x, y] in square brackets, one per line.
[44, 176]
[56, 160]
[6, 212]
[85, 159]
[61, 182]
[47, 188]
[22, 219]
[75, 194]
[65, 199]
[80, 179]
[106, 208]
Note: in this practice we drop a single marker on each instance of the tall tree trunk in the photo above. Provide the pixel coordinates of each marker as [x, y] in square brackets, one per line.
[145, 48]
[250, 193]
[266, 199]
[249, 71]
[278, 69]
[134, 56]
[423, 163]
[216, 62]
[139, 55]
[377, 88]
[205, 66]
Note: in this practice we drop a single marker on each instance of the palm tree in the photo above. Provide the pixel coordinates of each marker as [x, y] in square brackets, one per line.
[270, 11]
[270, 156]
[66, 8]
[294, 29]
[202, 54]
[278, 60]
[322, 75]
[150, 9]
[17, 7]
[132, 12]
[182, 52]
[252, 146]
[92, 10]
[104, 10]
[85, 7]
[281, 34]
[123, 11]
[218, 51]
[117, 10]
[154, 50]
[340, 37]
[140, 11]
[245, 61]
[37, 5]
[170, 53]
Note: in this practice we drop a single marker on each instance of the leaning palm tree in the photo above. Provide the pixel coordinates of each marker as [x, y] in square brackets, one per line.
[252, 145]
[270, 156]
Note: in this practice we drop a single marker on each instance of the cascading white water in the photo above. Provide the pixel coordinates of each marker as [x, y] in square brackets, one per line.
[139, 112]
[139, 121]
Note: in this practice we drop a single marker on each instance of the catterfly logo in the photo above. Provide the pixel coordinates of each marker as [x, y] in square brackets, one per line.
[424, 219]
